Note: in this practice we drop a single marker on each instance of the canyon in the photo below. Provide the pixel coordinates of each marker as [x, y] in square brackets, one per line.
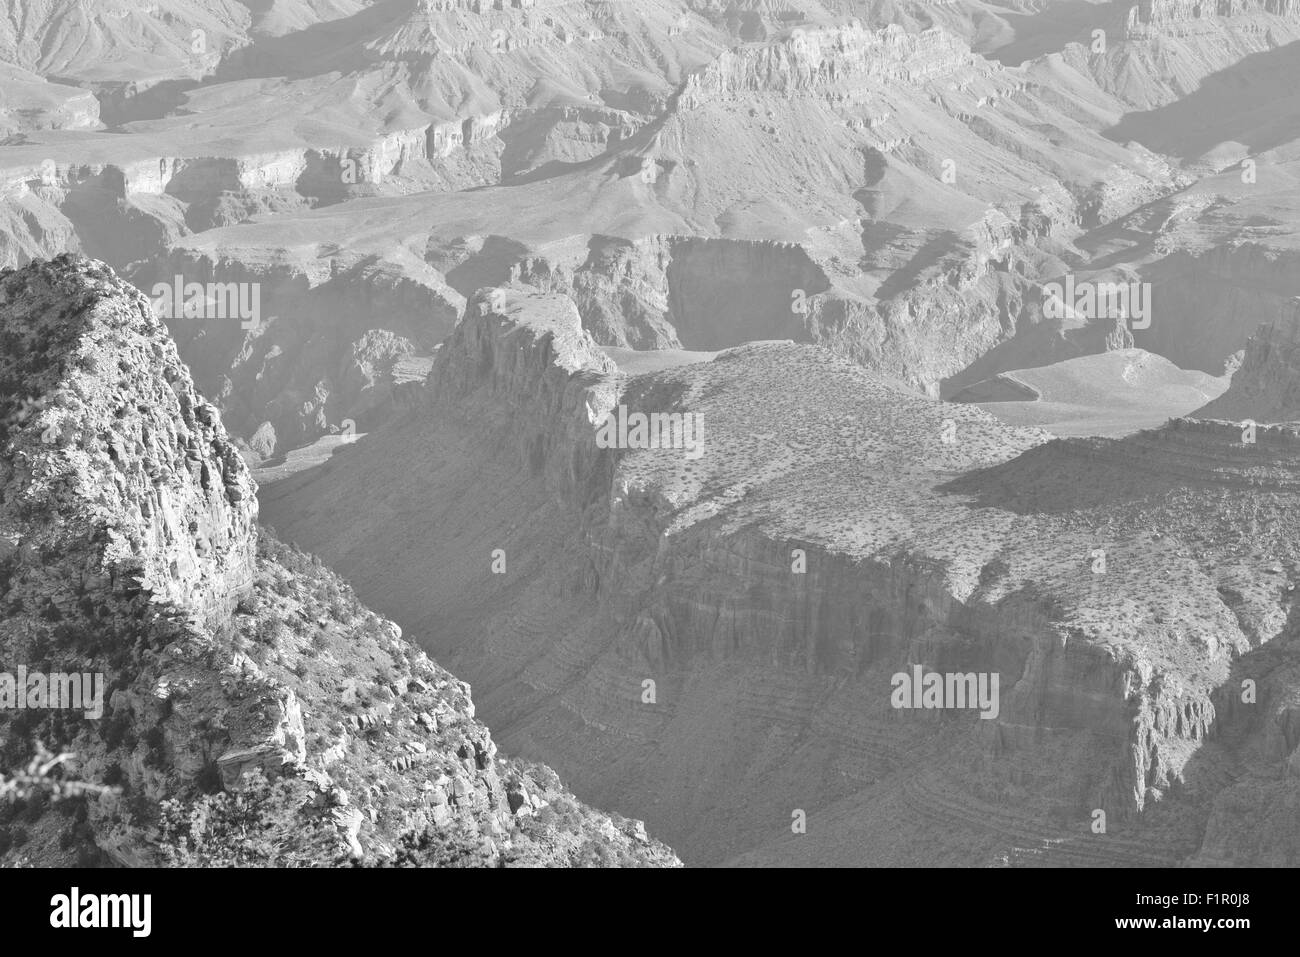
[822, 228]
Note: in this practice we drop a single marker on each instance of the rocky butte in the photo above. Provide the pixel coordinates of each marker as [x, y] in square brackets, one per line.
[710, 643]
[248, 691]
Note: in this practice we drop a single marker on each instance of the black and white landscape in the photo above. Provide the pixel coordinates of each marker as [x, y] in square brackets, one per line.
[819, 432]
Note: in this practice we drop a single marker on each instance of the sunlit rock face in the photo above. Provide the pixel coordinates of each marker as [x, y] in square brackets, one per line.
[751, 608]
[107, 435]
[220, 659]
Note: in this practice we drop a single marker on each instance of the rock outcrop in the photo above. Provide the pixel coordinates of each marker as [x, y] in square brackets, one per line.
[1156, 53]
[31, 103]
[239, 677]
[1211, 301]
[1153, 18]
[328, 352]
[112, 458]
[715, 637]
[824, 60]
[1266, 385]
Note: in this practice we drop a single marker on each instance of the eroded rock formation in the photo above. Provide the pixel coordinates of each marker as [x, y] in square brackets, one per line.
[239, 676]
[711, 642]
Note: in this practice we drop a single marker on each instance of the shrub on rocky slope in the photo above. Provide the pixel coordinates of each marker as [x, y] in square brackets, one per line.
[245, 690]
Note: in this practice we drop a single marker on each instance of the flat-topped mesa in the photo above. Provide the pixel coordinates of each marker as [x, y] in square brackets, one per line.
[736, 577]
[688, 562]
[1151, 18]
[115, 472]
[817, 60]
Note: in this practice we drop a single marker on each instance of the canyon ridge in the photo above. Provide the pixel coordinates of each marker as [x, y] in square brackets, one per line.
[821, 432]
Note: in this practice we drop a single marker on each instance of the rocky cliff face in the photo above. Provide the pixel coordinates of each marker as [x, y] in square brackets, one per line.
[673, 292]
[1160, 51]
[132, 209]
[678, 628]
[722, 632]
[1210, 301]
[1152, 18]
[821, 60]
[327, 352]
[242, 682]
[100, 453]
[1266, 386]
